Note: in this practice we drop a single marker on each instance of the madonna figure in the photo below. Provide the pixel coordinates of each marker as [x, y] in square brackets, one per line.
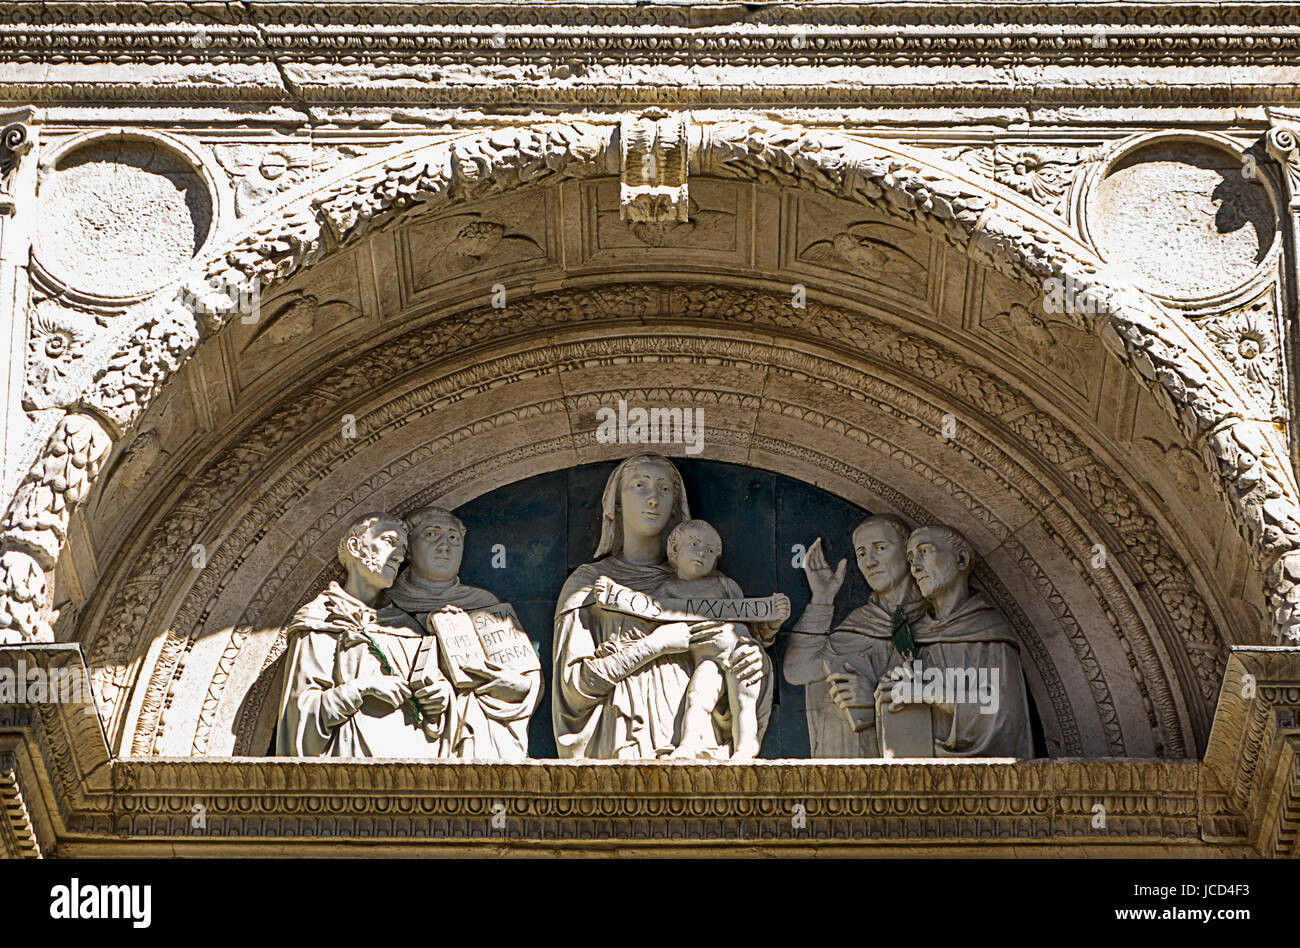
[621, 680]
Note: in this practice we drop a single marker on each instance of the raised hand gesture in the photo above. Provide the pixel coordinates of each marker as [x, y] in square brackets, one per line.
[822, 580]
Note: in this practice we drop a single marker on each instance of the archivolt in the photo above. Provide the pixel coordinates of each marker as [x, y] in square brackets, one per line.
[1246, 458]
[191, 634]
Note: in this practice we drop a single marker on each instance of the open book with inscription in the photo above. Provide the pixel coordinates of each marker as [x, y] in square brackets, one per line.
[473, 640]
[619, 598]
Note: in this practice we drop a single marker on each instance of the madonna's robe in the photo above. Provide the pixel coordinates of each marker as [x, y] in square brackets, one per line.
[640, 715]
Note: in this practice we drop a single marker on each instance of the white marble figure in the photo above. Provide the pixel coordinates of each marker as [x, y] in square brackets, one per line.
[693, 548]
[968, 670]
[620, 679]
[348, 689]
[488, 712]
[841, 667]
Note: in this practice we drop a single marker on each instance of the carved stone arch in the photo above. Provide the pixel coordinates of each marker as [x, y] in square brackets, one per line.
[184, 627]
[529, 436]
[1245, 458]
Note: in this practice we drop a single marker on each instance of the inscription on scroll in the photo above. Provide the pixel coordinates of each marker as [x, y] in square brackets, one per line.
[619, 598]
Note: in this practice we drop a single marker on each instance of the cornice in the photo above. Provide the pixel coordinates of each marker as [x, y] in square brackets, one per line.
[605, 54]
[54, 761]
[1253, 744]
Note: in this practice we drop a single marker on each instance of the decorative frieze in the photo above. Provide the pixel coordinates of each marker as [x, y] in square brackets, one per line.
[502, 55]
[247, 806]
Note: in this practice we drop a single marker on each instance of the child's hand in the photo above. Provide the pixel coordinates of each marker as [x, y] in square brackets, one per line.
[747, 663]
[702, 632]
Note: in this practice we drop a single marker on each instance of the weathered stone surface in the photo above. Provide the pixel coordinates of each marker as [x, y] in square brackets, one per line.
[119, 216]
[461, 232]
[1189, 219]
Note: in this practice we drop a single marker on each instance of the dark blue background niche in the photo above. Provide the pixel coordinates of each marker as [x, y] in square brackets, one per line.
[550, 524]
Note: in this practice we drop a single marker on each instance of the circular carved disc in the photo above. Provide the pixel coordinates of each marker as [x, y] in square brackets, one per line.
[120, 217]
[1185, 217]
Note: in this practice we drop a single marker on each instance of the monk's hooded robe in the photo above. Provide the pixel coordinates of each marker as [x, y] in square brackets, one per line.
[612, 699]
[975, 636]
[478, 726]
[332, 641]
[863, 640]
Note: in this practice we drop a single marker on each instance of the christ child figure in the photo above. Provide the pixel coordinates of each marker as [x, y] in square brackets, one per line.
[693, 548]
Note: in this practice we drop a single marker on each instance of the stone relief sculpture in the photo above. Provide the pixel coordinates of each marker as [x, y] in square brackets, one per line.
[693, 549]
[704, 597]
[622, 673]
[926, 668]
[841, 667]
[968, 670]
[657, 652]
[445, 672]
[348, 689]
[492, 679]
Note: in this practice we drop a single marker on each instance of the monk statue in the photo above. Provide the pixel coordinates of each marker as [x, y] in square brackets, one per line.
[621, 678]
[492, 687]
[968, 669]
[841, 667]
[348, 688]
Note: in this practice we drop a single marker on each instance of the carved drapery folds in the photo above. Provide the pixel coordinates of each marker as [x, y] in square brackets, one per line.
[1247, 457]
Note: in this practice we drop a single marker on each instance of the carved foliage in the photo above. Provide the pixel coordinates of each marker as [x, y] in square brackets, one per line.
[1253, 474]
[1248, 340]
[38, 519]
[23, 598]
[37, 523]
[58, 338]
[1042, 173]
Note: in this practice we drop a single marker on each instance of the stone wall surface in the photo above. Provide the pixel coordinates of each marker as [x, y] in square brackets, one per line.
[1025, 269]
